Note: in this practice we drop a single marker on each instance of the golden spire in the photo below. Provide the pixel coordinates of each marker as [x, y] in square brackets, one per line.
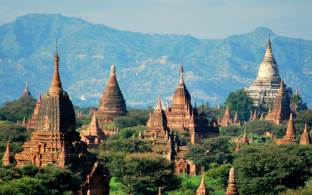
[6, 160]
[56, 85]
[113, 70]
[201, 190]
[290, 132]
[231, 188]
[159, 104]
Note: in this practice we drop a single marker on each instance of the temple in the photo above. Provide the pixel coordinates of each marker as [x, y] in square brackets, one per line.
[289, 137]
[281, 106]
[265, 88]
[26, 91]
[55, 140]
[226, 119]
[112, 104]
[231, 188]
[201, 190]
[305, 138]
[6, 159]
[32, 123]
[93, 135]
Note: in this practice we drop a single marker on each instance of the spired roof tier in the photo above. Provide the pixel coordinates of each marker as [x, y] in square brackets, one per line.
[181, 95]
[268, 70]
[56, 112]
[112, 103]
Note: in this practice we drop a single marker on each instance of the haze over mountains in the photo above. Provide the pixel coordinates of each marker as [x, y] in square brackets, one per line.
[147, 65]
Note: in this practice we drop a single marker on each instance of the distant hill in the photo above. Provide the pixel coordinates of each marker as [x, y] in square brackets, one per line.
[147, 64]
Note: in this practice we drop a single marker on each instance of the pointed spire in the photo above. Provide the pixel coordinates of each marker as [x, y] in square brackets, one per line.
[181, 81]
[159, 190]
[39, 98]
[159, 104]
[282, 87]
[231, 188]
[237, 148]
[201, 190]
[305, 138]
[227, 111]
[290, 132]
[94, 125]
[236, 120]
[254, 117]
[113, 70]
[26, 91]
[56, 85]
[268, 56]
[6, 160]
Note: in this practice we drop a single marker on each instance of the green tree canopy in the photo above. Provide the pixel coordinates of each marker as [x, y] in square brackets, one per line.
[239, 101]
[269, 169]
[18, 109]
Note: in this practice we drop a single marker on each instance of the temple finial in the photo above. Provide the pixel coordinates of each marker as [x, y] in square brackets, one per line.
[181, 82]
[113, 70]
[56, 85]
[26, 91]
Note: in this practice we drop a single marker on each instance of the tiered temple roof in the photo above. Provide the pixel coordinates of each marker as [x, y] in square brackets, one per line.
[265, 87]
[93, 135]
[231, 188]
[32, 123]
[112, 104]
[305, 138]
[281, 106]
[289, 137]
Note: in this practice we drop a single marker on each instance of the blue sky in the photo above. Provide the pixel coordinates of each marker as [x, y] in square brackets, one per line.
[200, 18]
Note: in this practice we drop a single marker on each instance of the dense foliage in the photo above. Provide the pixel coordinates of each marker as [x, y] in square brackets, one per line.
[269, 169]
[18, 109]
[239, 101]
[133, 118]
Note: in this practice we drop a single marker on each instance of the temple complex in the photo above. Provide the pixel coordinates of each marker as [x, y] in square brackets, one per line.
[231, 188]
[93, 135]
[201, 190]
[31, 124]
[305, 138]
[6, 159]
[281, 106]
[112, 104]
[289, 137]
[265, 88]
[55, 140]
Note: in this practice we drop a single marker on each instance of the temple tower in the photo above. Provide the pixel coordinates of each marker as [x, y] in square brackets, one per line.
[7, 160]
[231, 188]
[93, 135]
[112, 103]
[289, 137]
[305, 138]
[26, 92]
[265, 87]
[52, 141]
[201, 190]
[158, 120]
[226, 119]
[32, 123]
[281, 106]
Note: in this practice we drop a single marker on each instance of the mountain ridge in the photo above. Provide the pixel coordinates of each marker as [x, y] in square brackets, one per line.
[147, 64]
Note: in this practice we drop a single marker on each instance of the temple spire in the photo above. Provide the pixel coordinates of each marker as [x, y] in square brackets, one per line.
[290, 132]
[181, 81]
[201, 190]
[112, 70]
[56, 85]
[231, 188]
[159, 104]
[6, 160]
[305, 138]
[26, 91]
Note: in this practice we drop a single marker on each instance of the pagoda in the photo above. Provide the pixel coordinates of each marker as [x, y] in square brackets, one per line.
[6, 159]
[305, 138]
[231, 188]
[201, 190]
[55, 140]
[112, 103]
[289, 137]
[226, 119]
[265, 88]
[31, 124]
[26, 92]
[281, 106]
[93, 135]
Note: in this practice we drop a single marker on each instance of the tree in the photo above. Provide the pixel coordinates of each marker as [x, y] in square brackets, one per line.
[18, 109]
[218, 150]
[297, 103]
[269, 169]
[144, 173]
[239, 101]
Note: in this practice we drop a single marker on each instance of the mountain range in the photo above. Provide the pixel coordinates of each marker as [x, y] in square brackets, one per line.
[147, 64]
